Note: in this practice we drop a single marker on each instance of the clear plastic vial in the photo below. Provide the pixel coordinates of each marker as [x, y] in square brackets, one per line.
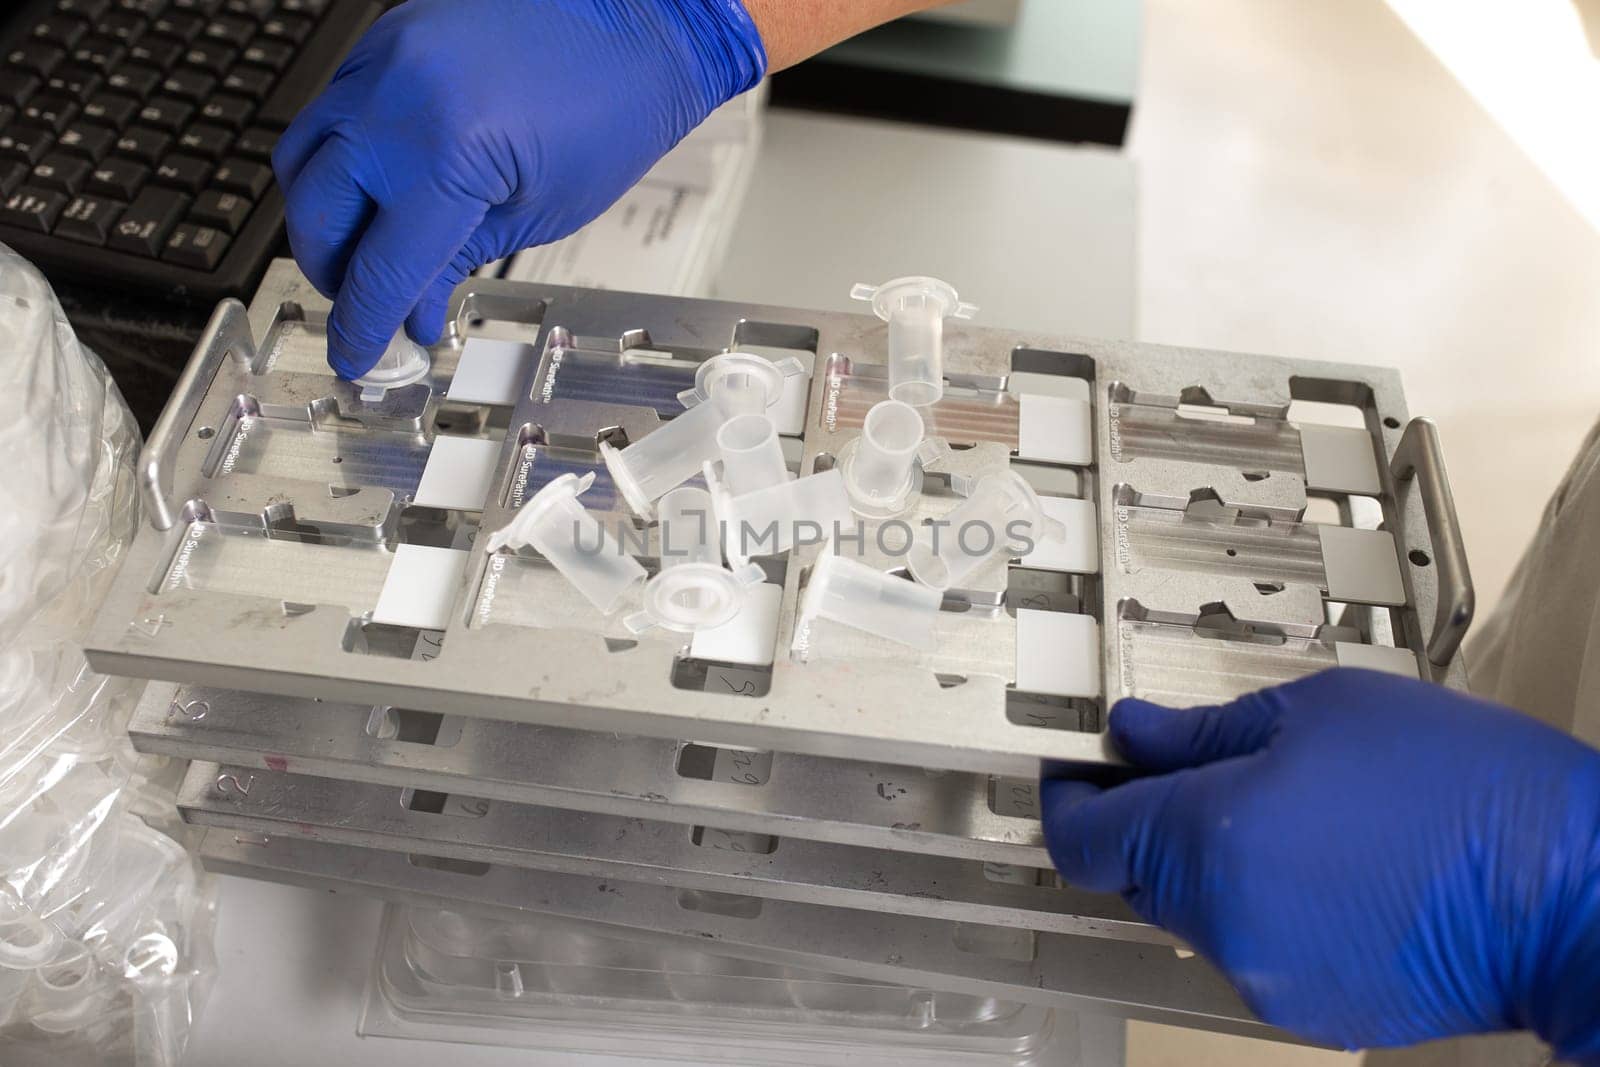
[915, 309]
[752, 456]
[853, 594]
[563, 531]
[1002, 511]
[403, 363]
[692, 591]
[880, 467]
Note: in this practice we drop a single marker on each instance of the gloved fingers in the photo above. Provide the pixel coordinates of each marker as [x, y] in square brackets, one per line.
[426, 321]
[309, 130]
[404, 249]
[1100, 840]
[1163, 739]
[326, 210]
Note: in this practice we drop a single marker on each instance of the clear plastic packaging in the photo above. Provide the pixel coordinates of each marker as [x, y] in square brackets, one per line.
[693, 591]
[915, 309]
[403, 363]
[105, 920]
[561, 529]
[561, 987]
[849, 592]
[880, 467]
[1001, 515]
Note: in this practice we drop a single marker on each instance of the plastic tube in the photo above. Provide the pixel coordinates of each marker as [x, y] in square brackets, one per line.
[752, 457]
[403, 363]
[879, 467]
[1002, 511]
[853, 594]
[773, 520]
[693, 591]
[915, 309]
[671, 454]
[564, 532]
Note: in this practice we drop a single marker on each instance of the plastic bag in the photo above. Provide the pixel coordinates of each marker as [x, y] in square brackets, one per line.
[105, 920]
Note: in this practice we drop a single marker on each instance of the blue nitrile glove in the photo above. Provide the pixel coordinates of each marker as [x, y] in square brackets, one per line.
[1372, 861]
[461, 131]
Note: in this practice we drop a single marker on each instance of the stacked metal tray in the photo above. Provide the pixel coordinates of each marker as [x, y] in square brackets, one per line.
[372, 704]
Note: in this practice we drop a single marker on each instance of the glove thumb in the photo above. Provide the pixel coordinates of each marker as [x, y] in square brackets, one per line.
[1161, 739]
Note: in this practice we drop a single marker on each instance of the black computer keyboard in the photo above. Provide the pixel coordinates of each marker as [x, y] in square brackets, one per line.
[136, 136]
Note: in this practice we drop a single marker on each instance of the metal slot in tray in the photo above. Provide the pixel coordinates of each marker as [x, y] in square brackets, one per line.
[701, 858]
[1081, 974]
[847, 802]
[258, 630]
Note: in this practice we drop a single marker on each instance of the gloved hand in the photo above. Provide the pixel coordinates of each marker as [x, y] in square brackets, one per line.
[460, 131]
[1372, 861]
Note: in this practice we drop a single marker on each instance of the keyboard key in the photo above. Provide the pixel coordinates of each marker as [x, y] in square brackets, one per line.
[189, 84]
[257, 143]
[212, 57]
[13, 172]
[165, 113]
[230, 29]
[101, 53]
[63, 31]
[200, 247]
[49, 112]
[199, 7]
[148, 220]
[134, 80]
[178, 26]
[124, 26]
[87, 140]
[225, 211]
[158, 53]
[17, 85]
[144, 8]
[292, 28]
[242, 176]
[185, 173]
[89, 9]
[231, 111]
[253, 9]
[143, 144]
[274, 55]
[208, 141]
[36, 56]
[89, 219]
[74, 80]
[120, 179]
[249, 81]
[24, 142]
[61, 172]
[313, 8]
[108, 109]
[32, 209]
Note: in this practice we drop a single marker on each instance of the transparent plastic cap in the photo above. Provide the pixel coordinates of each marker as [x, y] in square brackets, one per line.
[880, 467]
[752, 456]
[403, 363]
[915, 309]
[725, 387]
[563, 531]
[740, 382]
[853, 594]
[1002, 512]
[775, 519]
[693, 591]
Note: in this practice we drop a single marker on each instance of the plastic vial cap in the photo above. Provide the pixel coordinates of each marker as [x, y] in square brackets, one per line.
[68, 990]
[915, 309]
[403, 363]
[693, 591]
[1002, 511]
[26, 940]
[879, 467]
[773, 520]
[853, 594]
[563, 531]
[752, 457]
[741, 383]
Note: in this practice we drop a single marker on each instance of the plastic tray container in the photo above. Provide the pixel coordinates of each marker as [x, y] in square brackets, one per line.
[552, 985]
